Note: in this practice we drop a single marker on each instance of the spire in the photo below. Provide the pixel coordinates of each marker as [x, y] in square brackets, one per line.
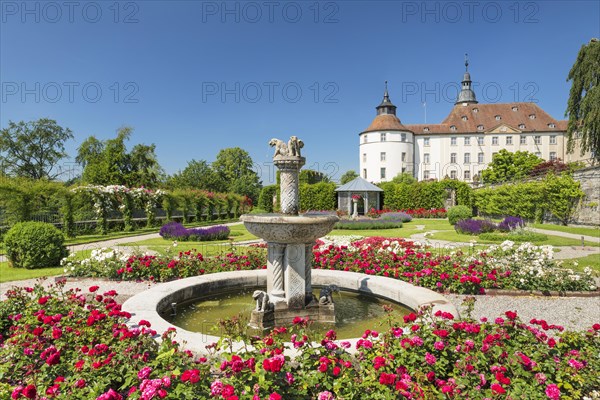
[386, 106]
[466, 95]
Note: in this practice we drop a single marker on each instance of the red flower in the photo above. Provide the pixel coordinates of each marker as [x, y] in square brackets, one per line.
[30, 392]
[42, 300]
[512, 315]
[274, 396]
[387, 379]
[92, 289]
[497, 389]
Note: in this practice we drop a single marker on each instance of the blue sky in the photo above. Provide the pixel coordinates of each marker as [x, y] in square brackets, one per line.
[194, 77]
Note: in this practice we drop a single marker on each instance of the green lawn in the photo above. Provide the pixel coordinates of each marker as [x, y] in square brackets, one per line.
[453, 236]
[595, 232]
[592, 261]
[8, 273]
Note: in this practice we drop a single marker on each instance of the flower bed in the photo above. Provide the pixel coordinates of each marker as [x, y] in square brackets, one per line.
[477, 226]
[75, 345]
[176, 231]
[507, 266]
[368, 223]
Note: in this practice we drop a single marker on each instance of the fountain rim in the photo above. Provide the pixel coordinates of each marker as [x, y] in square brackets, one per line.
[275, 218]
[146, 305]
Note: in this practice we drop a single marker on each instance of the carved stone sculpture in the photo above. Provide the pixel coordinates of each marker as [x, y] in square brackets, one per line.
[262, 300]
[294, 146]
[289, 149]
[325, 295]
[281, 148]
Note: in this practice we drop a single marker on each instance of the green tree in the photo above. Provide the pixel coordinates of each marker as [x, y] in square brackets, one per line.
[404, 177]
[563, 194]
[311, 177]
[583, 107]
[33, 149]
[197, 174]
[233, 167]
[348, 177]
[507, 166]
[109, 163]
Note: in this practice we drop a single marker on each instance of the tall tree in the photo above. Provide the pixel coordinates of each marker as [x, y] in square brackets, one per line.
[197, 174]
[348, 176]
[233, 166]
[508, 166]
[109, 163]
[311, 177]
[583, 107]
[33, 149]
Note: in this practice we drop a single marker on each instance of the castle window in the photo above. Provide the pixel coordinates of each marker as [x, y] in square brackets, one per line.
[551, 125]
[403, 156]
[365, 139]
[383, 137]
[364, 173]
[464, 118]
[531, 116]
[498, 118]
[426, 129]
[479, 127]
[382, 173]
[537, 139]
[480, 158]
[453, 128]
[364, 157]
[453, 141]
[403, 137]
[552, 139]
[452, 158]
[425, 175]
[426, 141]
[467, 175]
[515, 108]
[480, 140]
[521, 126]
[467, 140]
[426, 158]
[382, 156]
[509, 140]
[523, 140]
[552, 155]
[494, 140]
[467, 158]
[452, 174]
[475, 110]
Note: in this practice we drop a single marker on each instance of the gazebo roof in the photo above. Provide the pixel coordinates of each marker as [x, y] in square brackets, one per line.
[359, 185]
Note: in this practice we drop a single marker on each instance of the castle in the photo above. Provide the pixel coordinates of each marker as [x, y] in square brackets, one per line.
[463, 144]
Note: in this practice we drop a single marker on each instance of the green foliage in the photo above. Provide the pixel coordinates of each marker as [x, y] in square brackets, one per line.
[265, 200]
[404, 177]
[424, 194]
[22, 198]
[457, 213]
[311, 177]
[348, 177]
[34, 245]
[507, 166]
[320, 196]
[367, 224]
[562, 196]
[518, 236]
[233, 166]
[109, 163]
[32, 149]
[197, 175]
[583, 107]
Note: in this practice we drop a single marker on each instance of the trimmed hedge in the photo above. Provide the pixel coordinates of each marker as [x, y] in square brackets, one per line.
[265, 199]
[35, 245]
[458, 213]
[320, 196]
[424, 194]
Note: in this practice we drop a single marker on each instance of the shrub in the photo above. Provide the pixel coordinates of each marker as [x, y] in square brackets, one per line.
[35, 245]
[457, 213]
[176, 231]
[519, 236]
[474, 226]
[367, 224]
[395, 216]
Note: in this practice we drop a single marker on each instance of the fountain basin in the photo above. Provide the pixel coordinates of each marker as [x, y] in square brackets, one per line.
[149, 304]
[282, 228]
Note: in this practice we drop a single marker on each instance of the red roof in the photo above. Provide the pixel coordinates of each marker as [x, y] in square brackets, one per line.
[524, 117]
[386, 122]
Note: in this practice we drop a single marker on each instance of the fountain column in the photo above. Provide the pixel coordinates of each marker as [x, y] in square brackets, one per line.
[275, 267]
[289, 168]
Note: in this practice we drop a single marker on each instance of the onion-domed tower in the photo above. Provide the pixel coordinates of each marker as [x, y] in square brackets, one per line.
[386, 146]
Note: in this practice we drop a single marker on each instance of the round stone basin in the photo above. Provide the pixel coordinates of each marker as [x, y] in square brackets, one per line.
[281, 228]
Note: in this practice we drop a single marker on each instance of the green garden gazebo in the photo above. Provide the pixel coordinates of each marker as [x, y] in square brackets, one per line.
[370, 195]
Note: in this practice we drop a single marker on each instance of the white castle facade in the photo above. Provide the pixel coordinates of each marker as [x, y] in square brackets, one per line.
[463, 144]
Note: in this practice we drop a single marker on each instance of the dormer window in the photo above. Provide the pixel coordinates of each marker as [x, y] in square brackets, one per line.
[521, 126]
[479, 127]
[453, 128]
[426, 129]
[464, 118]
[498, 118]
[476, 110]
[551, 125]
[531, 116]
[515, 108]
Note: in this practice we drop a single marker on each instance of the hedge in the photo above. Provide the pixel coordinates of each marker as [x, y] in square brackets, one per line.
[424, 194]
[320, 196]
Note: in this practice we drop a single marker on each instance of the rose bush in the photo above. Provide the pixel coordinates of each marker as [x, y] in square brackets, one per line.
[76, 345]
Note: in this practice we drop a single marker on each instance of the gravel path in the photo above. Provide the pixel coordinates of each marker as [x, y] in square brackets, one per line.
[574, 313]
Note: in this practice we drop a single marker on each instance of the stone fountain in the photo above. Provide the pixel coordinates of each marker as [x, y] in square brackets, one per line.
[290, 238]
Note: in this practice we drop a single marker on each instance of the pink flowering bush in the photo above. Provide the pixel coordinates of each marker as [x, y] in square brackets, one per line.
[76, 345]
